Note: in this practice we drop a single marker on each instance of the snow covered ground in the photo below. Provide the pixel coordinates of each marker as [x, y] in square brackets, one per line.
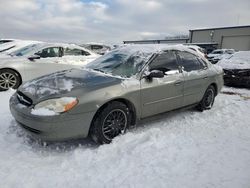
[179, 149]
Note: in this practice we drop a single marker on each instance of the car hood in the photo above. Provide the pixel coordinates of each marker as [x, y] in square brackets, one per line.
[213, 55]
[66, 83]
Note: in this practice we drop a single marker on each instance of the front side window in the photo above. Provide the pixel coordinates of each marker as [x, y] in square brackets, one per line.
[49, 52]
[75, 52]
[190, 62]
[164, 62]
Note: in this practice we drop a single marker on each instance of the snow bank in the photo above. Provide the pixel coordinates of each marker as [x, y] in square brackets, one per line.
[240, 60]
[179, 149]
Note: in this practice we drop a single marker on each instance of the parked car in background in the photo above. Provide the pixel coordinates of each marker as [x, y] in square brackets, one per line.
[100, 49]
[198, 50]
[13, 45]
[114, 91]
[39, 59]
[218, 54]
[2, 41]
[237, 69]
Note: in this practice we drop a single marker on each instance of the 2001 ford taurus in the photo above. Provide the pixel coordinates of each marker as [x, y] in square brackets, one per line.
[114, 91]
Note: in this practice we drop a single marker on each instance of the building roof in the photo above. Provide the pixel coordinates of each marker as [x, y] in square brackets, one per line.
[156, 40]
[216, 28]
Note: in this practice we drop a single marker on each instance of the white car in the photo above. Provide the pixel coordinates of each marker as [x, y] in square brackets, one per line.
[40, 59]
[100, 49]
[219, 54]
[10, 45]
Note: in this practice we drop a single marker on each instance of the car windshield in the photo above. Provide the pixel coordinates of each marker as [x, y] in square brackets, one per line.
[121, 62]
[25, 50]
[217, 52]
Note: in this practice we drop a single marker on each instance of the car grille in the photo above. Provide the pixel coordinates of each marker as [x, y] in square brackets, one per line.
[23, 99]
[237, 72]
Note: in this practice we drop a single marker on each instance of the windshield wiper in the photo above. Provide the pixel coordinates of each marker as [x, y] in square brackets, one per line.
[99, 70]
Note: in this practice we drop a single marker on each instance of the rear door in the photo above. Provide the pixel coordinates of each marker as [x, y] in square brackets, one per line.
[195, 75]
[162, 94]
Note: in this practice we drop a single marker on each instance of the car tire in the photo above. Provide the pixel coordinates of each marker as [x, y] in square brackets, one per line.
[208, 99]
[9, 79]
[110, 122]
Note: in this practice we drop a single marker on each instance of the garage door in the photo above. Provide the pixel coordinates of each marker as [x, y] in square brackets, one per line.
[236, 42]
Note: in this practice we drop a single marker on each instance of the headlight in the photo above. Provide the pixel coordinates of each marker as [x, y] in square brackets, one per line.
[55, 106]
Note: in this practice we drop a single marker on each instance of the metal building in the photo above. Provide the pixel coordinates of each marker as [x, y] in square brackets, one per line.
[237, 37]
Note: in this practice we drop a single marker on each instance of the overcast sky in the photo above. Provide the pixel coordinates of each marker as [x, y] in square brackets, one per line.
[115, 20]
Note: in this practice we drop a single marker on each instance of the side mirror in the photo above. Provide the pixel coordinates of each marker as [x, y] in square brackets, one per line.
[154, 74]
[33, 57]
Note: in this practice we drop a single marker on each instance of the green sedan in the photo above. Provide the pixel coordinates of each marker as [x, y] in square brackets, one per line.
[113, 92]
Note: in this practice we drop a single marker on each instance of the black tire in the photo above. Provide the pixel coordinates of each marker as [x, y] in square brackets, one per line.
[208, 99]
[9, 79]
[111, 121]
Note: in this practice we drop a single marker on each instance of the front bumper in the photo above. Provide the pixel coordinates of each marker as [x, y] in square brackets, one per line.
[238, 78]
[61, 127]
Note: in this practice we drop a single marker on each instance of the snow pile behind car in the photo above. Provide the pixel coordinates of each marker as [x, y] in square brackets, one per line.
[240, 60]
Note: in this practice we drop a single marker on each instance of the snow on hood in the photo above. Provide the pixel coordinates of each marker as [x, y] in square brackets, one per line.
[240, 60]
[64, 82]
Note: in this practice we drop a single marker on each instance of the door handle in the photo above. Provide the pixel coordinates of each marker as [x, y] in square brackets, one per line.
[177, 83]
[205, 78]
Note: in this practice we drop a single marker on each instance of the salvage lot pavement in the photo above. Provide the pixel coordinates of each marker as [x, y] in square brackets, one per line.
[184, 148]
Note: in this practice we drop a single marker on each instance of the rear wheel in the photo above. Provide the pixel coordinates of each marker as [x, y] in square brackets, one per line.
[9, 79]
[207, 100]
[112, 121]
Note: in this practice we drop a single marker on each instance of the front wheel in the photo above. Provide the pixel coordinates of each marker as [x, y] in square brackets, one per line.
[112, 121]
[9, 79]
[207, 100]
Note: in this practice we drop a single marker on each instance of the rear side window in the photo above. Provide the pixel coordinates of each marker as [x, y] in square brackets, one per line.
[191, 62]
[165, 62]
[75, 52]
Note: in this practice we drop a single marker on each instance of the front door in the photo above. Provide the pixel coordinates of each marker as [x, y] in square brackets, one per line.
[162, 94]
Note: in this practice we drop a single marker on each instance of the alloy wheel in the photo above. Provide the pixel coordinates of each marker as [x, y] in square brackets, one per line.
[209, 98]
[115, 123]
[7, 80]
